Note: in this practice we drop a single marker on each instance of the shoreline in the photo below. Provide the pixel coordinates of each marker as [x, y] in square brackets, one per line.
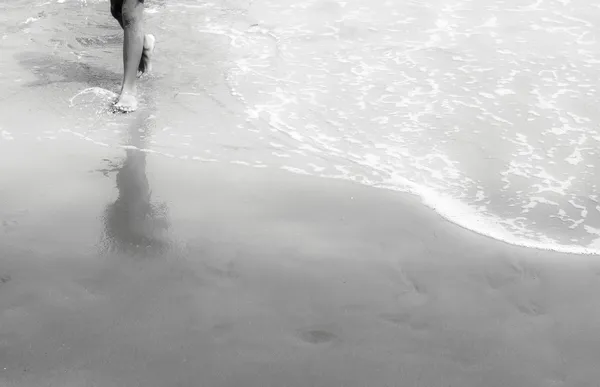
[506, 237]
[423, 199]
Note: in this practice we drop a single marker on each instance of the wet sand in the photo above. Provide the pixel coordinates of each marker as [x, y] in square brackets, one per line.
[234, 276]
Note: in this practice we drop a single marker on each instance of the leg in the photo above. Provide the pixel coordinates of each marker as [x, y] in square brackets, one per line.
[145, 65]
[133, 45]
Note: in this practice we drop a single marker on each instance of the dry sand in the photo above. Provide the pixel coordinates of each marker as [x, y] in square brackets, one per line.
[271, 280]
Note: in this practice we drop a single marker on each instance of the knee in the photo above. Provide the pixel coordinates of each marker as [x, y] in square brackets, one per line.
[129, 19]
[132, 12]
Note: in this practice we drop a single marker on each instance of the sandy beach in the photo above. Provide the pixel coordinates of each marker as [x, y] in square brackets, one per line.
[175, 247]
[266, 278]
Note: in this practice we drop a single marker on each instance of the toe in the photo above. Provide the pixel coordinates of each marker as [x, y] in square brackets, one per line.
[118, 108]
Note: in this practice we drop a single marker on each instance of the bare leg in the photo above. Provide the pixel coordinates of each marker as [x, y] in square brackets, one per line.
[133, 46]
[146, 61]
[145, 65]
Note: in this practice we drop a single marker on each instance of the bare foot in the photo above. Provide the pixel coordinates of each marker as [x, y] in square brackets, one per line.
[146, 61]
[126, 103]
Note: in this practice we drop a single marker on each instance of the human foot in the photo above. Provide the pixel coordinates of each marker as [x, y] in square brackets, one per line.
[126, 103]
[146, 60]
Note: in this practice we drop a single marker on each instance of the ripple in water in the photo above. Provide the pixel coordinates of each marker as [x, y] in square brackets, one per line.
[486, 113]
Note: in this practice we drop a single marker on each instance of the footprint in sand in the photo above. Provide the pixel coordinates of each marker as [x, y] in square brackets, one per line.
[510, 274]
[9, 225]
[530, 307]
[4, 279]
[317, 336]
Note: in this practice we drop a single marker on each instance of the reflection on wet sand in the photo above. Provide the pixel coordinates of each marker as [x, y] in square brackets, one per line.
[133, 223]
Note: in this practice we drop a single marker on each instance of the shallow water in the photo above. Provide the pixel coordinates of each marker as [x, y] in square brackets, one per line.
[487, 111]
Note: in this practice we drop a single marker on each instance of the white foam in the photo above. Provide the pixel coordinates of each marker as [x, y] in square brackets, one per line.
[30, 20]
[490, 226]
[99, 92]
[503, 91]
[575, 157]
[6, 135]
